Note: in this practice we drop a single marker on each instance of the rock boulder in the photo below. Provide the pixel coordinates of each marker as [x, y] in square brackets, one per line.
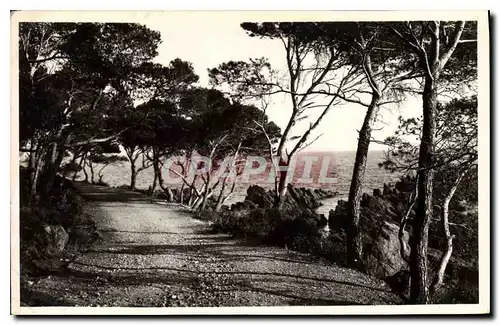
[57, 238]
[381, 256]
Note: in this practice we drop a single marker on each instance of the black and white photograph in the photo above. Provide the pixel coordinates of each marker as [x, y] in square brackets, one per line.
[220, 162]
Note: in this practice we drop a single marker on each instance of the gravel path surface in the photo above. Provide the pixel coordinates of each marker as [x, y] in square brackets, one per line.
[157, 255]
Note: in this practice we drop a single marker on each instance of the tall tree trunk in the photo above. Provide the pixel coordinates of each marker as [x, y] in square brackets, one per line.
[34, 179]
[32, 156]
[155, 181]
[157, 169]
[282, 184]
[445, 258]
[159, 174]
[32, 162]
[420, 236]
[181, 190]
[354, 243]
[133, 174]
[282, 187]
[132, 155]
[155, 164]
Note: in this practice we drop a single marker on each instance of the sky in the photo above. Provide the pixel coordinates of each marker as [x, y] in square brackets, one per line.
[210, 41]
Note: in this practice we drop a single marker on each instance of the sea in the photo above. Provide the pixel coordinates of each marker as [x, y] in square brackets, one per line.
[329, 170]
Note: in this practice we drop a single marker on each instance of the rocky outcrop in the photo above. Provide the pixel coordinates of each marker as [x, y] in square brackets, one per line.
[387, 205]
[338, 220]
[296, 201]
[381, 247]
[379, 224]
[259, 196]
[380, 217]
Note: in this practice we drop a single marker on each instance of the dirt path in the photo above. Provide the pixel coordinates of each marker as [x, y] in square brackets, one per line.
[156, 255]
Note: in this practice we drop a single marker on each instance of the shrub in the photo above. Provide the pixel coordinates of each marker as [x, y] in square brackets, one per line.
[290, 230]
[62, 208]
[31, 237]
[333, 248]
[259, 223]
[272, 226]
[458, 292]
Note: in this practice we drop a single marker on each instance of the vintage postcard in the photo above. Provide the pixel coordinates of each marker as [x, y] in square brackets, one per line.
[231, 162]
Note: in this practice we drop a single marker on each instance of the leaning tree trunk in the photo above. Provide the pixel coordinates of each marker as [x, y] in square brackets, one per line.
[354, 243]
[159, 172]
[181, 193]
[85, 171]
[79, 166]
[445, 258]
[55, 159]
[192, 191]
[72, 163]
[221, 199]
[91, 166]
[419, 293]
[206, 193]
[218, 205]
[404, 250]
[192, 194]
[198, 199]
[225, 198]
[181, 190]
